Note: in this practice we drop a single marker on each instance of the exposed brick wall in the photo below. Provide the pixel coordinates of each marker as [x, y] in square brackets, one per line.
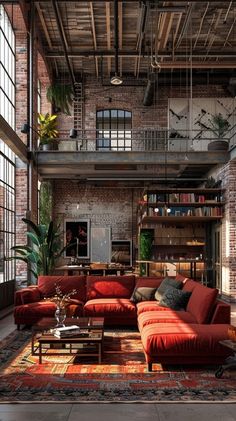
[104, 207]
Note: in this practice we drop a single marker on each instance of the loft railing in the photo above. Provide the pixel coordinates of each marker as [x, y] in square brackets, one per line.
[144, 140]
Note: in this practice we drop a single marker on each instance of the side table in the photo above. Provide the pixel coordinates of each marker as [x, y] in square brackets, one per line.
[230, 361]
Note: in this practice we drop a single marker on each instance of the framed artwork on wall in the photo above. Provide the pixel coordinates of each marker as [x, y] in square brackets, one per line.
[77, 234]
[121, 252]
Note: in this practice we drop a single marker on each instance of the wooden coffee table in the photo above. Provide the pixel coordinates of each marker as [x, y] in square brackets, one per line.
[92, 329]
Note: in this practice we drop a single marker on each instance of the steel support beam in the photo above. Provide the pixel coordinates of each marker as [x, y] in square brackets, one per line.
[134, 53]
[9, 136]
[63, 40]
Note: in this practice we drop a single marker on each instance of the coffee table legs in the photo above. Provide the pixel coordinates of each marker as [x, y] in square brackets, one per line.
[99, 352]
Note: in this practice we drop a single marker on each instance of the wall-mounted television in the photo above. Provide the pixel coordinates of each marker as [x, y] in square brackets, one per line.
[77, 236]
[121, 252]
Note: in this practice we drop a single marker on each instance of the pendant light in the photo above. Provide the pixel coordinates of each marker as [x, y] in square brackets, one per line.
[116, 80]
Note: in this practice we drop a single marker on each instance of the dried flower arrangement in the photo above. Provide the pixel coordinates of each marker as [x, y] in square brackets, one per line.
[61, 300]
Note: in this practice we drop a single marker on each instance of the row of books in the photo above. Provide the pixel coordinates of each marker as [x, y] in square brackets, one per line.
[174, 211]
[182, 198]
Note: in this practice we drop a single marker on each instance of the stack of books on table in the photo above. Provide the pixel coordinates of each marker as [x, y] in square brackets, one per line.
[66, 331]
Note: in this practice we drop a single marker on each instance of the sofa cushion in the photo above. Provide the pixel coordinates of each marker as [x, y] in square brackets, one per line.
[201, 302]
[183, 339]
[46, 285]
[145, 289]
[109, 287]
[174, 298]
[109, 307]
[144, 306]
[43, 309]
[169, 316]
[167, 282]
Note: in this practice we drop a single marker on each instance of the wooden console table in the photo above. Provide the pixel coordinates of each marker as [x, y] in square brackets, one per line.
[87, 270]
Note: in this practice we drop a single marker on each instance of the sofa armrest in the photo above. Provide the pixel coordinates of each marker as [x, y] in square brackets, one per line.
[27, 295]
[221, 314]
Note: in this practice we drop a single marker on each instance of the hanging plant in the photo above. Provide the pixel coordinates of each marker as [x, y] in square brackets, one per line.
[61, 97]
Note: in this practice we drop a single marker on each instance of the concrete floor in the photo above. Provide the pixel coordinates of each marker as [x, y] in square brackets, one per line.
[164, 411]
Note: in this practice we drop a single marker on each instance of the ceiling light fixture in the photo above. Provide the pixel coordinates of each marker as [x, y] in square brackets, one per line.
[116, 80]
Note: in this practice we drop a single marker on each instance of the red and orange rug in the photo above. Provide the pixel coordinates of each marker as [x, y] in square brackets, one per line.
[122, 376]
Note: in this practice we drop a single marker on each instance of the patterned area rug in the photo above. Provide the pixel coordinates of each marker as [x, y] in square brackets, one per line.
[122, 376]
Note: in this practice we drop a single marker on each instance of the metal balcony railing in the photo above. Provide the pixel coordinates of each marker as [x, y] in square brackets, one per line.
[145, 140]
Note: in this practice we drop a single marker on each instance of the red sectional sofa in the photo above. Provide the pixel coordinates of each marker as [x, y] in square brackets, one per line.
[168, 336]
[189, 336]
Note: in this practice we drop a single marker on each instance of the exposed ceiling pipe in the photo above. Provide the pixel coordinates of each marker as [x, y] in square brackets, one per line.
[62, 37]
[116, 80]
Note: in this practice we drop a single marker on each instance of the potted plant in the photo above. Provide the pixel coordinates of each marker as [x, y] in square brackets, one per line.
[61, 97]
[145, 249]
[47, 130]
[44, 250]
[219, 126]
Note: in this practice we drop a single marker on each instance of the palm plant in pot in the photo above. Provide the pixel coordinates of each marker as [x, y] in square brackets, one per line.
[44, 248]
[47, 130]
[219, 126]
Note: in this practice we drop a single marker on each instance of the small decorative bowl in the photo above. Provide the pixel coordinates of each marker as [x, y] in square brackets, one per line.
[232, 333]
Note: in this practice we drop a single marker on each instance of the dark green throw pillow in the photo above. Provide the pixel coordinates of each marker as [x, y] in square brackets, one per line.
[143, 294]
[176, 299]
[167, 282]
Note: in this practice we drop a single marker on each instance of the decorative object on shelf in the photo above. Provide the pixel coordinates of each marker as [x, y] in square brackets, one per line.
[47, 130]
[44, 250]
[61, 96]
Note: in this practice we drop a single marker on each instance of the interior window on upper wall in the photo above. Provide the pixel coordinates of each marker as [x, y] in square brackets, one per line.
[114, 130]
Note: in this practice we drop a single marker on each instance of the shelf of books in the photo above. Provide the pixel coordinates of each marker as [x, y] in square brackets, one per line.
[179, 220]
[207, 204]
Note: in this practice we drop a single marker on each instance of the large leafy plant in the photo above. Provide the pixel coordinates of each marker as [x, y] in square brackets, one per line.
[44, 250]
[47, 128]
[61, 96]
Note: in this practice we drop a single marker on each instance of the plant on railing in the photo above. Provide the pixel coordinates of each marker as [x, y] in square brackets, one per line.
[47, 128]
[219, 125]
[44, 250]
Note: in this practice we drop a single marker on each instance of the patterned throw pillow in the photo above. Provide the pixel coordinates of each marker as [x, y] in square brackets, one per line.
[143, 294]
[166, 283]
[175, 299]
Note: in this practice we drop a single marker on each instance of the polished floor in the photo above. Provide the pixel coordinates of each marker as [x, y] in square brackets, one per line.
[164, 411]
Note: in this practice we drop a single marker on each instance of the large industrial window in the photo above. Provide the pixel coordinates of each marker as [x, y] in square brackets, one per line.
[114, 130]
[7, 157]
[7, 69]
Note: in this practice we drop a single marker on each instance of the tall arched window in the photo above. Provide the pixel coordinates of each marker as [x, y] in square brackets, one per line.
[114, 130]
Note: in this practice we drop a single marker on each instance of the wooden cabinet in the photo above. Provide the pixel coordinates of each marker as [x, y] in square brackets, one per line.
[180, 221]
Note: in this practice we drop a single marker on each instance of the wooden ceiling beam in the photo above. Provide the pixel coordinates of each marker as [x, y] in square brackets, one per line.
[134, 53]
[94, 35]
[108, 27]
[120, 25]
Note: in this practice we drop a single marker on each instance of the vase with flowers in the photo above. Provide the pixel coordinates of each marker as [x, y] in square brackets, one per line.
[62, 301]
